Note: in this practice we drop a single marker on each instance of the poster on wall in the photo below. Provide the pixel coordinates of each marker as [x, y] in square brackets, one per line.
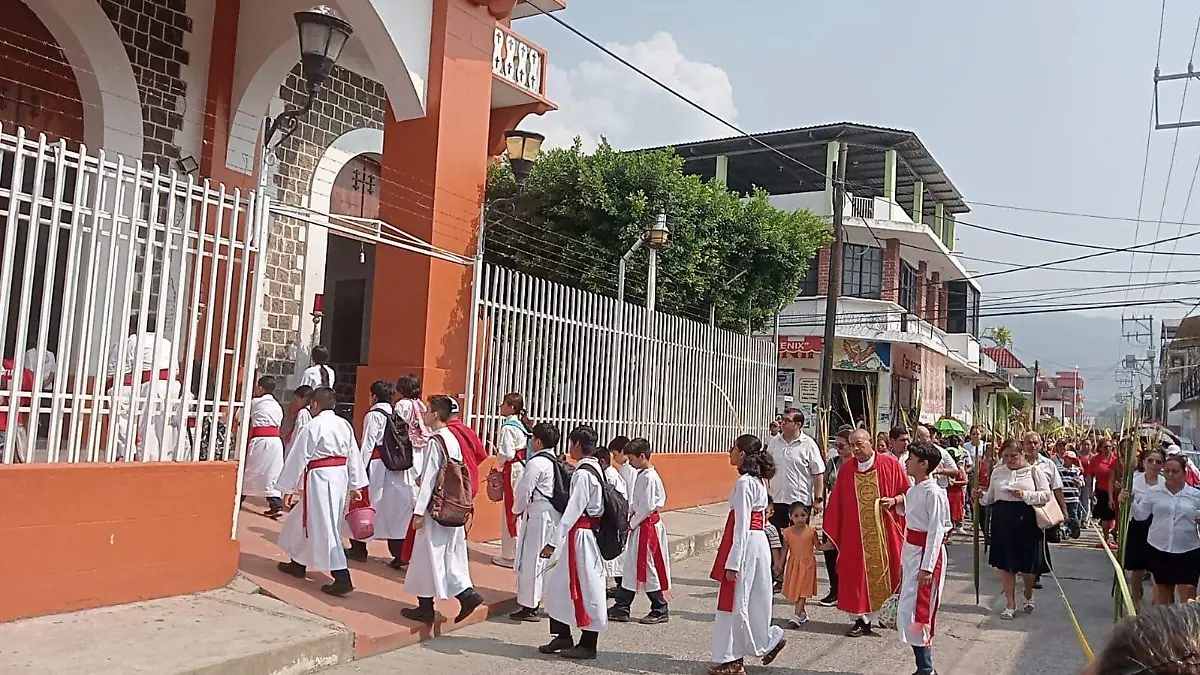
[805, 347]
[862, 355]
[809, 422]
[785, 382]
[810, 390]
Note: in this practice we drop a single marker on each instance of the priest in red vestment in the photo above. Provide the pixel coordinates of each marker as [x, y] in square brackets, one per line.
[862, 523]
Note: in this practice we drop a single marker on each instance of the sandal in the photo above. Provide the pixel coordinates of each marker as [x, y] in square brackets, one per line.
[1028, 606]
[770, 656]
[732, 668]
[1008, 613]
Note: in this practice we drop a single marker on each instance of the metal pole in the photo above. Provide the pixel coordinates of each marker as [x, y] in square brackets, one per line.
[473, 317]
[712, 314]
[652, 279]
[835, 284]
[1036, 413]
[1153, 376]
[621, 267]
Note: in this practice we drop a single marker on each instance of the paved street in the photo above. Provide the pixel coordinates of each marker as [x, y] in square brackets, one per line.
[971, 640]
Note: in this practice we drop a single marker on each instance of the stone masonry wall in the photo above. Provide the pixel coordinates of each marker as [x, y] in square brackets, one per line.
[349, 101]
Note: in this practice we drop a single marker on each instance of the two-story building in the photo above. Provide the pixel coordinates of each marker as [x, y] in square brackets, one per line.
[907, 343]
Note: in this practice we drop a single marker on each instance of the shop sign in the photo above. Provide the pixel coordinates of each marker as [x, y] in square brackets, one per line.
[517, 61]
[785, 382]
[908, 363]
[807, 347]
[862, 355]
[810, 390]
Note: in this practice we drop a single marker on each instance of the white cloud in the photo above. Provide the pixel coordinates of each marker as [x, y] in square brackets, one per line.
[603, 98]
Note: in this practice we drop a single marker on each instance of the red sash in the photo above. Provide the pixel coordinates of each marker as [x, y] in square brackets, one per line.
[582, 618]
[264, 432]
[510, 518]
[409, 538]
[725, 595]
[149, 376]
[316, 464]
[648, 545]
[377, 453]
[925, 611]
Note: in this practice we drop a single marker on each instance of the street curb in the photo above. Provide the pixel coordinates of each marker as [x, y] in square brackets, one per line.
[687, 546]
[311, 656]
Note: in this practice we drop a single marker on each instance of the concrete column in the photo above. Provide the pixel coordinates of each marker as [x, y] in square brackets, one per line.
[889, 179]
[939, 212]
[890, 284]
[933, 296]
[921, 290]
[823, 271]
[722, 169]
[831, 155]
[948, 232]
[918, 201]
[943, 305]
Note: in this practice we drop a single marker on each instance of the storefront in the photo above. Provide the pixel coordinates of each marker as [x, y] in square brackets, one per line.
[861, 386]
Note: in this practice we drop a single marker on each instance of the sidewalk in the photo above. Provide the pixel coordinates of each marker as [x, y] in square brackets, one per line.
[287, 628]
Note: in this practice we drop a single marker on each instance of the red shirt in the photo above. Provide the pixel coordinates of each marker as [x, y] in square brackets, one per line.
[473, 451]
[1101, 469]
[6, 373]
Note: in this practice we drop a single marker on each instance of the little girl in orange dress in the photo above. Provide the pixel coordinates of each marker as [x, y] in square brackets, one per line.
[800, 562]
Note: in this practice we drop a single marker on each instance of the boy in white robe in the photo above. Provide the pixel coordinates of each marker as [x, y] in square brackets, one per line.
[923, 565]
[743, 568]
[144, 391]
[613, 569]
[322, 472]
[539, 520]
[647, 561]
[616, 453]
[390, 493]
[264, 454]
[301, 414]
[575, 592]
[439, 567]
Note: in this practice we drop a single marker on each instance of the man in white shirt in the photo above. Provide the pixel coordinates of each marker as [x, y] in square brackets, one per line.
[799, 469]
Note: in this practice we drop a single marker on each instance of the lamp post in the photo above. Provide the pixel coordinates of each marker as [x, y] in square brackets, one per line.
[655, 237]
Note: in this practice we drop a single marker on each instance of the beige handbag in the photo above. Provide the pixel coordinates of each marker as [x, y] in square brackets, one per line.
[1050, 514]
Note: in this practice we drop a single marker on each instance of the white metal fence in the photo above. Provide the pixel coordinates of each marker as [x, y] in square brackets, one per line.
[582, 358]
[89, 243]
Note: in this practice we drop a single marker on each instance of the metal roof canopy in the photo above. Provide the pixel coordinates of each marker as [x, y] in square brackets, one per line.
[751, 164]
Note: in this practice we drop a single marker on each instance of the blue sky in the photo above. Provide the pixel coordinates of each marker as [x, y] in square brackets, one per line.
[1036, 104]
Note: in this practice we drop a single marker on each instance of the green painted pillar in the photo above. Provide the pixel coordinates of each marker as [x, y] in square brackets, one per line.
[831, 155]
[723, 169]
[948, 232]
[918, 201]
[889, 179]
[939, 213]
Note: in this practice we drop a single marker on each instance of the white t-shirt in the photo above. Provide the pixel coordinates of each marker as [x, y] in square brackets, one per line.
[312, 376]
[974, 454]
[796, 463]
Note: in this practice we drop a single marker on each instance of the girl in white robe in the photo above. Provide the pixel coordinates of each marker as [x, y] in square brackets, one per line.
[575, 585]
[512, 446]
[264, 454]
[439, 567]
[324, 467]
[647, 564]
[926, 510]
[538, 521]
[390, 495]
[319, 374]
[743, 568]
[412, 410]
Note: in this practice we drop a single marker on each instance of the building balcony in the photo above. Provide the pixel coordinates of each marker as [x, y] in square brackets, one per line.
[535, 7]
[518, 71]
[863, 319]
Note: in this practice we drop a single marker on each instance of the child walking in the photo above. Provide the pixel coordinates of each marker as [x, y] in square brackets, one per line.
[647, 560]
[800, 562]
[923, 561]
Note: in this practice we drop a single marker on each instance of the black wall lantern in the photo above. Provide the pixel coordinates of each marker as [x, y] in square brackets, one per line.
[323, 35]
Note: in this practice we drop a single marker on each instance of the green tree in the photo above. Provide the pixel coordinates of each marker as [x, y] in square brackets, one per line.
[579, 213]
[1000, 336]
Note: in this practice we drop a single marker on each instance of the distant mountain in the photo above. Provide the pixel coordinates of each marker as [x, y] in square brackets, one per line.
[1064, 340]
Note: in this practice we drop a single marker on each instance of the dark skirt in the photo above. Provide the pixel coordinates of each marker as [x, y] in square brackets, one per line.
[1103, 509]
[1018, 545]
[1137, 551]
[1175, 569]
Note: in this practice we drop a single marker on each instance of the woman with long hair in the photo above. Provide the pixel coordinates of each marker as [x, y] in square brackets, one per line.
[743, 567]
[1137, 552]
[1100, 472]
[1172, 538]
[512, 444]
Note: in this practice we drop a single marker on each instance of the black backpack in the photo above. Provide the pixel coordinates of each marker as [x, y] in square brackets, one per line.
[613, 531]
[396, 447]
[562, 481]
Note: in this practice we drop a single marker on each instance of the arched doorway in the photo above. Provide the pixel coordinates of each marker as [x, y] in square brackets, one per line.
[37, 86]
[349, 277]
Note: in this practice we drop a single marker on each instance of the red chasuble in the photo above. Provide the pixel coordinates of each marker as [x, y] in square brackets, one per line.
[868, 553]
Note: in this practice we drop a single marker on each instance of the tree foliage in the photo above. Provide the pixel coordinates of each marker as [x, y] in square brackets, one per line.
[1000, 336]
[579, 213]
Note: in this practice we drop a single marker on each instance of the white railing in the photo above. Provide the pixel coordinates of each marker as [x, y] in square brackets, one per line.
[862, 207]
[96, 249]
[583, 358]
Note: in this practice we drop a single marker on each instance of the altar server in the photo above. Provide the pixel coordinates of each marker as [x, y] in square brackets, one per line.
[647, 560]
[264, 455]
[926, 510]
[538, 520]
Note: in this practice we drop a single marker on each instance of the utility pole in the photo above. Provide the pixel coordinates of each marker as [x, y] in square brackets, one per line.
[1037, 413]
[1142, 327]
[835, 286]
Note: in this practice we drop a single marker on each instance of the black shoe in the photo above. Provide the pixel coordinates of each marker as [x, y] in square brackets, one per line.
[525, 614]
[1037, 585]
[274, 512]
[653, 618]
[293, 568]
[579, 653]
[425, 616]
[467, 606]
[860, 629]
[557, 645]
[829, 600]
[357, 554]
[619, 615]
[398, 565]
[338, 588]
[611, 593]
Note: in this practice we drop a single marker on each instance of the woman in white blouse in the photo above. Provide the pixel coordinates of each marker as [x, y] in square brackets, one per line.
[1148, 476]
[1018, 544]
[1173, 538]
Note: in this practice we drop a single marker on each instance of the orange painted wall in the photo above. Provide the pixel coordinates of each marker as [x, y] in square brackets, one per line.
[691, 479]
[93, 535]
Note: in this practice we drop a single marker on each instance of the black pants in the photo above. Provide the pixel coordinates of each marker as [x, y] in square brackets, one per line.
[782, 517]
[587, 638]
[338, 575]
[831, 565]
[624, 601]
[395, 546]
[275, 503]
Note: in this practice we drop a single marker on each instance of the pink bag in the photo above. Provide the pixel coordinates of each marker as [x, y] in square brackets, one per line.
[361, 522]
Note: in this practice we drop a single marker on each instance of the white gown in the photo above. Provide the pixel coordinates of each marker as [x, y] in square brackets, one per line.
[325, 492]
[512, 439]
[586, 498]
[439, 567]
[746, 629]
[303, 417]
[926, 509]
[538, 523]
[647, 497]
[391, 493]
[616, 567]
[312, 376]
[264, 456]
[148, 405]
